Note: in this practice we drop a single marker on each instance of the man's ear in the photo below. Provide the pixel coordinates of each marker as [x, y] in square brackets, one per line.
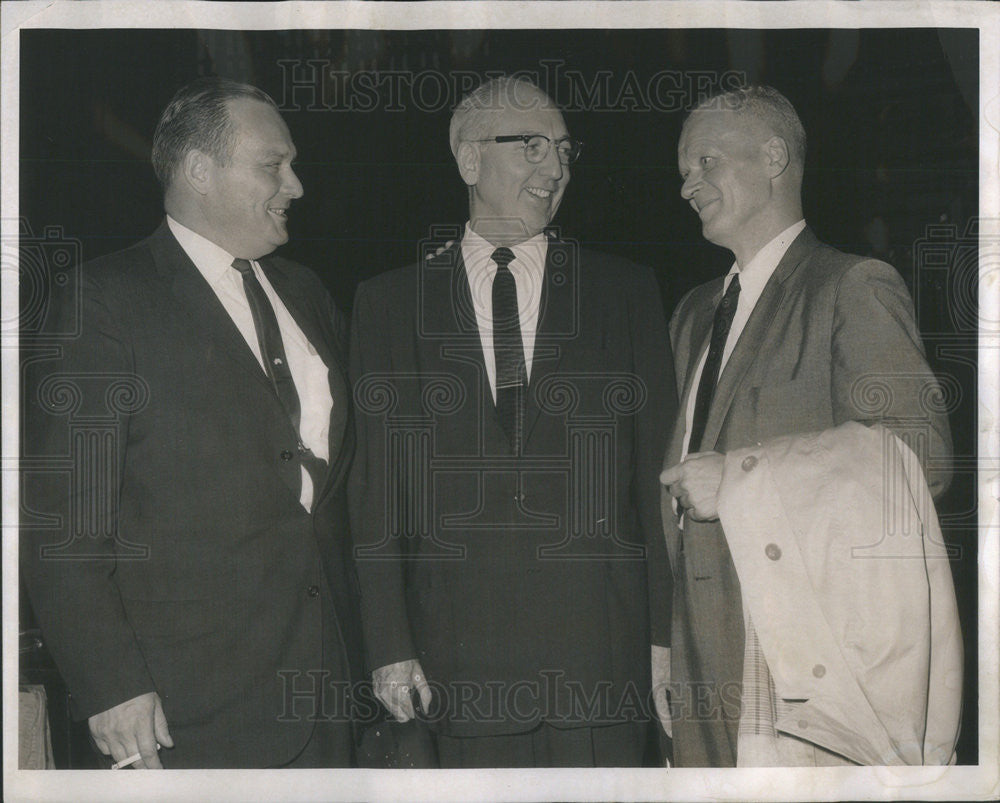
[196, 170]
[468, 158]
[777, 155]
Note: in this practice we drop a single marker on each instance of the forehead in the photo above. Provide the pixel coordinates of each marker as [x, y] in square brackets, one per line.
[258, 126]
[528, 111]
[719, 129]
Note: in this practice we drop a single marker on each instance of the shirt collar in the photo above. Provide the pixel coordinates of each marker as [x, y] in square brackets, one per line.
[528, 255]
[212, 260]
[754, 275]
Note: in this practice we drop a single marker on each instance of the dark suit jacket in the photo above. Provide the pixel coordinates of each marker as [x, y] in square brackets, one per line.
[519, 583]
[176, 556]
[832, 339]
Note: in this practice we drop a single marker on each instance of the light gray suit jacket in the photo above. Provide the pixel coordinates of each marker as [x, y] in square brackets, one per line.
[831, 339]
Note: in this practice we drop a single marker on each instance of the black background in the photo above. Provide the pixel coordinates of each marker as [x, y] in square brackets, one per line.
[891, 169]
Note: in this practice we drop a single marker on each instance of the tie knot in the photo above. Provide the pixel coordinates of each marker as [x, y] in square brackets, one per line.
[243, 266]
[503, 257]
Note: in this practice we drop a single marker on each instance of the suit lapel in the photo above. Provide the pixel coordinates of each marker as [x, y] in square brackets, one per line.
[206, 313]
[198, 301]
[320, 336]
[464, 343]
[448, 340]
[556, 324]
[697, 340]
[749, 345]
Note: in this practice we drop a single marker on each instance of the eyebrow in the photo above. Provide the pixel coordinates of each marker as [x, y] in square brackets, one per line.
[273, 153]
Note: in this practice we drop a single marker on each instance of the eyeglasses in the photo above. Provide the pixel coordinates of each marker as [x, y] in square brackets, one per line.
[536, 146]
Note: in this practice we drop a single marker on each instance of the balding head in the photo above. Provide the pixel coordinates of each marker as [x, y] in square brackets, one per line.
[741, 157]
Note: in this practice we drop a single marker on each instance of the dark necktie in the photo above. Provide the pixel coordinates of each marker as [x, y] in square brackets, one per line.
[272, 351]
[710, 373]
[508, 351]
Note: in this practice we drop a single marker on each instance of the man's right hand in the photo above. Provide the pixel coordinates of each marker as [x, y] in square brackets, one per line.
[135, 726]
[393, 684]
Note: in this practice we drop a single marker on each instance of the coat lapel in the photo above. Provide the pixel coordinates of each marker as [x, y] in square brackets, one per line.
[696, 340]
[556, 324]
[449, 333]
[749, 345]
[206, 312]
[199, 303]
[303, 310]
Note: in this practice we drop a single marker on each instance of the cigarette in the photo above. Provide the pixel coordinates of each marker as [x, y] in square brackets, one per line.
[130, 760]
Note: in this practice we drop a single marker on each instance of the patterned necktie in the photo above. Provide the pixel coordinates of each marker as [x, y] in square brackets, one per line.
[710, 373]
[272, 351]
[508, 351]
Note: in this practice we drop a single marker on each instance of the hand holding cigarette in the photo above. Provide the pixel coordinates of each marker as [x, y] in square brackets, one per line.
[129, 760]
[132, 732]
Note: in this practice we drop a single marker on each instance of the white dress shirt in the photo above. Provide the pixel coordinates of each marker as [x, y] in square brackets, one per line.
[753, 278]
[528, 269]
[309, 372]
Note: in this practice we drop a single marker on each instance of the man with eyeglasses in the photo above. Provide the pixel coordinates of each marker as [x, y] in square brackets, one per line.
[514, 392]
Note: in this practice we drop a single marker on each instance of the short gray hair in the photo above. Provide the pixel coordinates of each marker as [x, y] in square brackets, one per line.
[766, 105]
[197, 117]
[476, 113]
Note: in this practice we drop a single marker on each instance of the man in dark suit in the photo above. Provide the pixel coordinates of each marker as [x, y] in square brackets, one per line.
[797, 338]
[512, 392]
[196, 587]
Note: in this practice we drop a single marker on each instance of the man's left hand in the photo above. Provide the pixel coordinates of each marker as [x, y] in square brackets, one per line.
[695, 483]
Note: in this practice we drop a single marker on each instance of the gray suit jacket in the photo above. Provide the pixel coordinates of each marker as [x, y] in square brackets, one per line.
[175, 556]
[505, 573]
[832, 339]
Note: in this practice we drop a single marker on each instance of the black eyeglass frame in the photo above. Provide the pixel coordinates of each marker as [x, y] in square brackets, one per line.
[526, 138]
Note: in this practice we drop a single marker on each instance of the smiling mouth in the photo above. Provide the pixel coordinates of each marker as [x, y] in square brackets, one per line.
[539, 193]
[278, 211]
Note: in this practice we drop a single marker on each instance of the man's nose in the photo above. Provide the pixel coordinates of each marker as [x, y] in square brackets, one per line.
[689, 186]
[551, 165]
[291, 185]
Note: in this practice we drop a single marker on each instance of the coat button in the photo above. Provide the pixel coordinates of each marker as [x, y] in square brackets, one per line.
[773, 551]
[286, 455]
[313, 591]
[749, 463]
[819, 670]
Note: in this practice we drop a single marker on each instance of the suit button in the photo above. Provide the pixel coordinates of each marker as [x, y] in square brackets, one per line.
[286, 455]
[819, 670]
[313, 591]
[749, 463]
[773, 551]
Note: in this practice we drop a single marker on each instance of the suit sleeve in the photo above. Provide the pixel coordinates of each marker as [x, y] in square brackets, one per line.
[378, 552]
[654, 366]
[879, 372]
[69, 529]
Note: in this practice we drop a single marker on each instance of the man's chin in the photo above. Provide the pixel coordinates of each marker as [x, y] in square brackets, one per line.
[277, 238]
[712, 233]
